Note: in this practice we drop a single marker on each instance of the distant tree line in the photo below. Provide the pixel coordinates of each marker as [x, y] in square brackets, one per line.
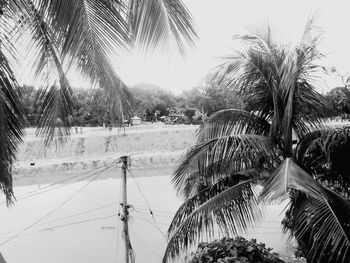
[150, 100]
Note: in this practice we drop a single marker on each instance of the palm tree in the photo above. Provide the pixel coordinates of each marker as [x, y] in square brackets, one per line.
[52, 38]
[239, 149]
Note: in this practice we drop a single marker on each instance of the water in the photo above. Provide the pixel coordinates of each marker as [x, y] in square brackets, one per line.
[68, 236]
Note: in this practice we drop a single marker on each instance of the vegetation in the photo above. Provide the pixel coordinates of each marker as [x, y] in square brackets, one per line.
[339, 100]
[239, 149]
[210, 97]
[238, 250]
[46, 40]
[147, 99]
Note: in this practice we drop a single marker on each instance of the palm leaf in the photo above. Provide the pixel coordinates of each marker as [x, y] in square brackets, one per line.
[157, 23]
[225, 155]
[11, 123]
[231, 210]
[232, 121]
[288, 175]
[327, 220]
[201, 191]
[322, 213]
[57, 96]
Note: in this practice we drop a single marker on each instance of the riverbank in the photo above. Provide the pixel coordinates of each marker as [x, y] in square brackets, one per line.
[150, 147]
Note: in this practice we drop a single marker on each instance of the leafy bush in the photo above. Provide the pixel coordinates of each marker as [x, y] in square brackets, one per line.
[238, 250]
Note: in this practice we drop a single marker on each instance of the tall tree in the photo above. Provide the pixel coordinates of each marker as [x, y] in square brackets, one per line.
[238, 149]
[55, 37]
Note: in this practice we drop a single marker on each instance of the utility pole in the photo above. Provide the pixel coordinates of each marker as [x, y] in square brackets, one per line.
[125, 217]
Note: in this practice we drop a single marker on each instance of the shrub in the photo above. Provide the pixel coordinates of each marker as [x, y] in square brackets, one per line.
[238, 250]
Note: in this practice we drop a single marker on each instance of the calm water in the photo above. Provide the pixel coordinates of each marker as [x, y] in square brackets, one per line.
[71, 234]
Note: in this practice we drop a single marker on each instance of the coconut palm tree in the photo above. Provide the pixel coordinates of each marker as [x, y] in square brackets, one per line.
[50, 39]
[239, 149]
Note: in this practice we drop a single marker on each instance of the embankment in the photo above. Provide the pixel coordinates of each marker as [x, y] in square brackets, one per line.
[154, 150]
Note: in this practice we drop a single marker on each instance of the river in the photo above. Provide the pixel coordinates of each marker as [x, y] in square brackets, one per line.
[76, 222]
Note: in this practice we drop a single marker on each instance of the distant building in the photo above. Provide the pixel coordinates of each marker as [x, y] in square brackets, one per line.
[135, 120]
[175, 113]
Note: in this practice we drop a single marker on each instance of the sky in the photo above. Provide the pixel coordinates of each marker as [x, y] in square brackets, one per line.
[218, 20]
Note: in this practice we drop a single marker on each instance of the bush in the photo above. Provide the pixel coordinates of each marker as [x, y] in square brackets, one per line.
[238, 250]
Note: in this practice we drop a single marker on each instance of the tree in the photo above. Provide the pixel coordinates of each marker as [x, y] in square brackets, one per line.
[238, 149]
[339, 99]
[149, 98]
[54, 38]
[210, 97]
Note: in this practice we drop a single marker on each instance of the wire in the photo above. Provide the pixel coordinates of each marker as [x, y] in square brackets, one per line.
[70, 224]
[66, 217]
[156, 226]
[158, 213]
[150, 210]
[80, 222]
[59, 183]
[144, 244]
[52, 211]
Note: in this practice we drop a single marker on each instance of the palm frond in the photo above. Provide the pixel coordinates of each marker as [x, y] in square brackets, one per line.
[158, 23]
[55, 93]
[201, 191]
[225, 155]
[322, 154]
[11, 123]
[327, 221]
[231, 210]
[288, 175]
[232, 121]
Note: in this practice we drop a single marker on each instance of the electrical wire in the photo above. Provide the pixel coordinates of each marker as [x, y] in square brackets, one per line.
[144, 244]
[66, 217]
[52, 211]
[59, 184]
[150, 210]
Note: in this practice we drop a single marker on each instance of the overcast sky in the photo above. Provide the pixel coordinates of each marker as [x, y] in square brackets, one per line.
[218, 20]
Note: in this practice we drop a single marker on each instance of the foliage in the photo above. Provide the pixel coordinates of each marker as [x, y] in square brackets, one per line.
[237, 149]
[45, 41]
[210, 97]
[149, 98]
[238, 250]
[339, 99]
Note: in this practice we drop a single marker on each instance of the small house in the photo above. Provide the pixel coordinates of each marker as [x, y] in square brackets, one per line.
[135, 120]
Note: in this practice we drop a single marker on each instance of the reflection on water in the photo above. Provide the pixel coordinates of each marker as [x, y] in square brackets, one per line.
[86, 229]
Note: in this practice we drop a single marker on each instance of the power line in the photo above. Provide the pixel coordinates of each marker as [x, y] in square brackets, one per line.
[67, 217]
[144, 244]
[150, 210]
[82, 221]
[59, 183]
[70, 224]
[52, 211]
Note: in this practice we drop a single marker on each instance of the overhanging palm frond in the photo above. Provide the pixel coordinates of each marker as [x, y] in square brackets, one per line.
[11, 125]
[309, 153]
[322, 212]
[289, 176]
[55, 93]
[225, 155]
[231, 211]
[327, 221]
[232, 121]
[239, 171]
[323, 154]
[158, 23]
[202, 190]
